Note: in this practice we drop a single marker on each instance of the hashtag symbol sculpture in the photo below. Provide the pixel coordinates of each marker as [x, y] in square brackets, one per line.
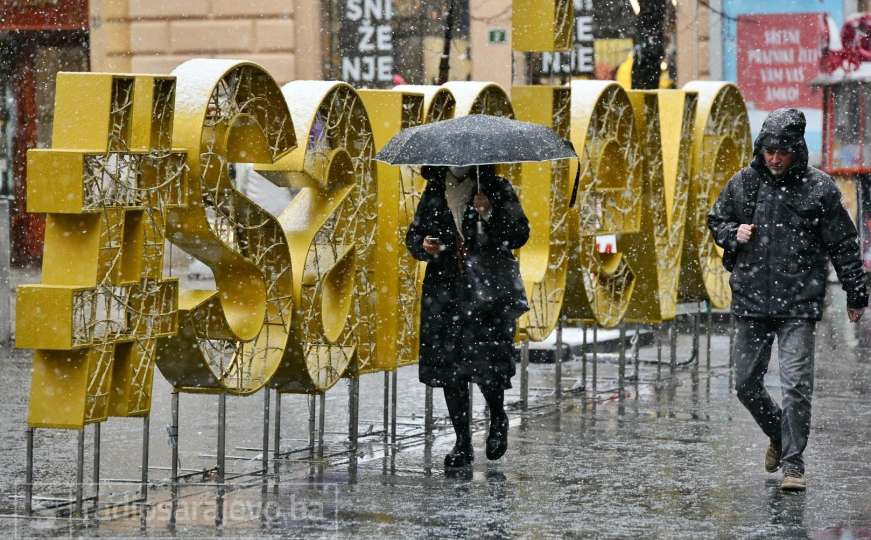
[105, 186]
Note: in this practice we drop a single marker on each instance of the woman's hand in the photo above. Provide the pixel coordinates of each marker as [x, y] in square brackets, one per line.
[482, 204]
[432, 246]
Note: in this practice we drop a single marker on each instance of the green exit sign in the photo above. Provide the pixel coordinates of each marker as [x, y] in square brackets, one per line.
[497, 35]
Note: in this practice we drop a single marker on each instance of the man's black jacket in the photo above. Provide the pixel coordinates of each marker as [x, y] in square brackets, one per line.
[800, 221]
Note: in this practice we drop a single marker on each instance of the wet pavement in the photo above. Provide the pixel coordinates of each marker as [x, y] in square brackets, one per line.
[668, 456]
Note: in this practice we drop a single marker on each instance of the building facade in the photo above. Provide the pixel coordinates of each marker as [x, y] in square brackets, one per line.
[154, 36]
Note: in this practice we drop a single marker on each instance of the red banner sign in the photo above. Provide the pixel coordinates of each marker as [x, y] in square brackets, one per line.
[778, 57]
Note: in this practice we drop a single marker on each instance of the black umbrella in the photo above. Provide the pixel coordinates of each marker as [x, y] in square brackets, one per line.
[475, 140]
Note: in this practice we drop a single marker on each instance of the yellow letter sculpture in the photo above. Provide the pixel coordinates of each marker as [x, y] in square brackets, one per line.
[231, 339]
[542, 25]
[438, 104]
[395, 269]
[665, 122]
[106, 185]
[331, 225]
[327, 289]
[609, 203]
[545, 198]
[721, 147]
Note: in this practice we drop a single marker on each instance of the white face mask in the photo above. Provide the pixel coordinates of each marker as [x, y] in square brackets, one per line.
[460, 172]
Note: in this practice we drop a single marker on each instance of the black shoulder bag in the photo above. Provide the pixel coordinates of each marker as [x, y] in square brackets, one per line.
[494, 283]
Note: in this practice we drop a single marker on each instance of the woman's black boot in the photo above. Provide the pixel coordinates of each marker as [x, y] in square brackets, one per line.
[497, 438]
[457, 400]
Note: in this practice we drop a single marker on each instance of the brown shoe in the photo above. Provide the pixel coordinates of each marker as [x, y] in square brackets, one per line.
[793, 481]
[772, 457]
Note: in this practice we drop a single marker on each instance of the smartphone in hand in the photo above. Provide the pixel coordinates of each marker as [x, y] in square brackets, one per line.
[433, 245]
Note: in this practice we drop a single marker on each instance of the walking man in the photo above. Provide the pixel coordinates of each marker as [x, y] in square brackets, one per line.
[779, 222]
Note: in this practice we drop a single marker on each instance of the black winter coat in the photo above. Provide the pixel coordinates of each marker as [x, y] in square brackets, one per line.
[800, 223]
[457, 346]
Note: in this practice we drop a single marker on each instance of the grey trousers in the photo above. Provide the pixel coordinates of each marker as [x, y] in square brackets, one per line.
[789, 426]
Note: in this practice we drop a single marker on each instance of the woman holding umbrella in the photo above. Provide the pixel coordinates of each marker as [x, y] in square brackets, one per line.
[467, 212]
[466, 225]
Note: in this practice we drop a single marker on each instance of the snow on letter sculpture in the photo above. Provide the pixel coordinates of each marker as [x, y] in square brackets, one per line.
[106, 185]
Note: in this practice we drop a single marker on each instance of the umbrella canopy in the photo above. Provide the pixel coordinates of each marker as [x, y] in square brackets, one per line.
[476, 139]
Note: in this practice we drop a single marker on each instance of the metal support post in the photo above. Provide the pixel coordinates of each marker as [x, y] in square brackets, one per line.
[146, 433]
[266, 395]
[222, 436]
[584, 357]
[658, 335]
[221, 457]
[524, 373]
[672, 345]
[621, 357]
[173, 441]
[471, 408]
[312, 414]
[731, 341]
[276, 445]
[322, 420]
[28, 472]
[394, 397]
[708, 332]
[595, 357]
[353, 416]
[386, 435]
[427, 414]
[696, 334]
[80, 471]
[558, 361]
[636, 354]
[95, 473]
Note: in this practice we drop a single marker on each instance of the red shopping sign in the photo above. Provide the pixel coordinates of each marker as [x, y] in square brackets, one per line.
[778, 57]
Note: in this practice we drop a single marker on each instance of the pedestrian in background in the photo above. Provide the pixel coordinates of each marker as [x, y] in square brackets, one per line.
[466, 212]
[779, 222]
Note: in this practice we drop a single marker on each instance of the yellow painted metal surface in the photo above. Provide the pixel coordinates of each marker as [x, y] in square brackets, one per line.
[231, 339]
[396, 275]
[544, 195]
[721, 147]
[603, 132]
[331, 225]
[542, 25]
[103, 302]
[665, 121]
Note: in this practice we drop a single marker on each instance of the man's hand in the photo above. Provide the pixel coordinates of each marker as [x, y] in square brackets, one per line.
[745, 232]
[855, 314]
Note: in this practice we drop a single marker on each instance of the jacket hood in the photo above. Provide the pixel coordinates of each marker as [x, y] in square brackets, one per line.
[782, 129]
